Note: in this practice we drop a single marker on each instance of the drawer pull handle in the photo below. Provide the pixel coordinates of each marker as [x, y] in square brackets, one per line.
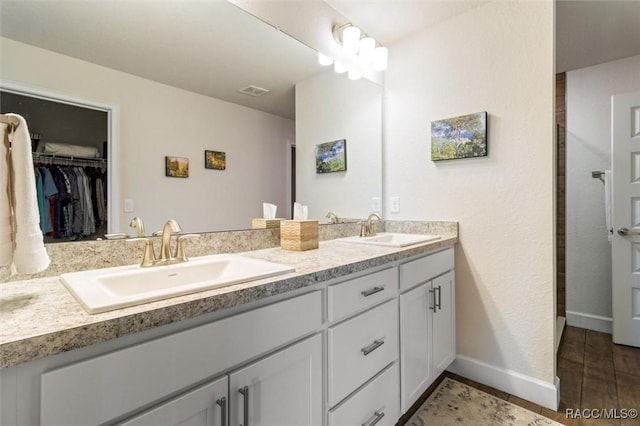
[377, 416]
[367, 293]
[372, 347]
[245, 392]
[222, 402]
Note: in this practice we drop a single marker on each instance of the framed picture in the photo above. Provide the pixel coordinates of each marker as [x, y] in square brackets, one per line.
[176, 166]
[459, 137]
[331, 156]
[215, 160]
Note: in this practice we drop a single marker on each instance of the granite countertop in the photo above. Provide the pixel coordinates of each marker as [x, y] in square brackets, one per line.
[41, 318]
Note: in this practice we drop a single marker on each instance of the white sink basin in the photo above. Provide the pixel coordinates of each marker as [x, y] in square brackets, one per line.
[391, 239]
[102, 290]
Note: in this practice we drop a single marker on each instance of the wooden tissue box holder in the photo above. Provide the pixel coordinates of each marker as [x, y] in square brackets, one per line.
[299, 235]
[259, 223]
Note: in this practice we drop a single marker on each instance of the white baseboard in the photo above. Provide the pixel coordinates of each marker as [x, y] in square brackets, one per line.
[590, 322]
[525, 387]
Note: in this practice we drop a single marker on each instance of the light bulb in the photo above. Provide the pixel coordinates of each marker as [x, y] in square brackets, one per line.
[367, 46]
[339, 67]
[354, 74]
[324, 59]
[380, 58]
[351, 39]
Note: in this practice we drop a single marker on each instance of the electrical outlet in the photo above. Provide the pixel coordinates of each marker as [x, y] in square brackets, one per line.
[395, 204]
[376, 204]
[128, 205]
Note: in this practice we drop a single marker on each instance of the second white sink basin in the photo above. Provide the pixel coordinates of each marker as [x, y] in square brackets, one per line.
[392, 239]
[102, 290]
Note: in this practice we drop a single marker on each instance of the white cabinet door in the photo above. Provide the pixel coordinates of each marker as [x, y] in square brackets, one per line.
[415, 338]
[444, 322]
[204, 406]
[283, 389]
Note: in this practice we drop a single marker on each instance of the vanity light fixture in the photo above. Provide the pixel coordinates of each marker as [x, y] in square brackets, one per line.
[363, 52]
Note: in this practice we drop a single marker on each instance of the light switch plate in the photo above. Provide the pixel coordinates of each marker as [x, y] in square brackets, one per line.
[376, 204]
[128, 205]
[395, 204]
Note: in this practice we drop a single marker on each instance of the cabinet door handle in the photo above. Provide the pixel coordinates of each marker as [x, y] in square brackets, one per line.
[438, 305]
[245, 392]
[377, 416]
[433, 306]
[222, 402]
[372, 347]
[367, 293]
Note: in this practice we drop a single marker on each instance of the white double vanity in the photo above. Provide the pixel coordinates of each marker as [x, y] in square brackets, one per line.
[345, 342]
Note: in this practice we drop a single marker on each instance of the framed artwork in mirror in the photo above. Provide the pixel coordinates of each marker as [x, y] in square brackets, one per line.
[331, 156]
[176, 166]
[215, 160]
[464, 136]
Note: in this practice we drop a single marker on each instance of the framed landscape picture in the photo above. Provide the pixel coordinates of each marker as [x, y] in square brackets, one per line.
[215, 160]
[459, 137]
[331, 156]
[176, 166]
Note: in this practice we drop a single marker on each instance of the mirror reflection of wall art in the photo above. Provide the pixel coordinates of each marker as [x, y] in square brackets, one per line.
[331, 156]
[459, 137]
[176, 166]
[215, 160]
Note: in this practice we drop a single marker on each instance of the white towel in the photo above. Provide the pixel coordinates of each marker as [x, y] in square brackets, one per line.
[6, 228]
[607, 202]
[19, 207]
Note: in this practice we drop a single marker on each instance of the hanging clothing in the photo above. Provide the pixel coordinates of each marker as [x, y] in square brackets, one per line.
[79, 203]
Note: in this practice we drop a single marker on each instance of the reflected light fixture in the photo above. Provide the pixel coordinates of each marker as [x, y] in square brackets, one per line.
[363, 53]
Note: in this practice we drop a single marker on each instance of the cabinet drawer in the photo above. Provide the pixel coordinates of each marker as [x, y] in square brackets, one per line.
[423, 269]
[360, 293]
[102, 388]
[361, 347]
[377, 400]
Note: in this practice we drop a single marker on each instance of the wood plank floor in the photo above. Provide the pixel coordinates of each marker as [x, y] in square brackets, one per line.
[594, 374]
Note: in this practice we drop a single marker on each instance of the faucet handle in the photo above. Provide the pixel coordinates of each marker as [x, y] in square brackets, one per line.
[182, 240]
[149, 257]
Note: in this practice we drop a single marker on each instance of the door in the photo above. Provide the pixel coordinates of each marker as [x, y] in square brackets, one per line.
[443, 324]
[283, 389]
[415, 353]
[204, 406]
[625, 249]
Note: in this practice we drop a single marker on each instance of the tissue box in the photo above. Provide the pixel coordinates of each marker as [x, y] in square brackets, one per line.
[299, 235]
[259, 223]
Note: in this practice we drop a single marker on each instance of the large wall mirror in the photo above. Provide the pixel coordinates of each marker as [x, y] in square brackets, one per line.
[169, 76]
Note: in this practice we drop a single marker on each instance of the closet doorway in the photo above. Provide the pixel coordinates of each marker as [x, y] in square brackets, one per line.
[72, 144]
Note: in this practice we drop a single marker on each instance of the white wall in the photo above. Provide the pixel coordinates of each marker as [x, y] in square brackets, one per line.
[159, 120]
[497, 58]
[588, 252]
[329, 107]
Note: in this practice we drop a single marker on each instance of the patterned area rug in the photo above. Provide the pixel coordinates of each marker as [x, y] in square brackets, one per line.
[453, 403]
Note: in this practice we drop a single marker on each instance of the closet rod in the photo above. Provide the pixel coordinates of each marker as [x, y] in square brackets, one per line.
[40, 155]
[7, 119]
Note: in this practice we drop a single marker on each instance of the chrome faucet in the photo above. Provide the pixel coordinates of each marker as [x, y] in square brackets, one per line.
[368, 228]
[137, 223]
[333, 218]
[170, 228]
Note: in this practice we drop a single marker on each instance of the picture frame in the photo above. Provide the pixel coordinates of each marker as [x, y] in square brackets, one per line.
[464, 136]
[176, 166]
[331, 156]
[215, 160]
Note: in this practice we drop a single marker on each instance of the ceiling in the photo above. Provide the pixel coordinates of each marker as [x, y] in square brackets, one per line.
[215, 48]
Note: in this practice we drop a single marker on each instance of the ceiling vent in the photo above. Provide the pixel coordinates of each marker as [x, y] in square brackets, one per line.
[254, 91]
